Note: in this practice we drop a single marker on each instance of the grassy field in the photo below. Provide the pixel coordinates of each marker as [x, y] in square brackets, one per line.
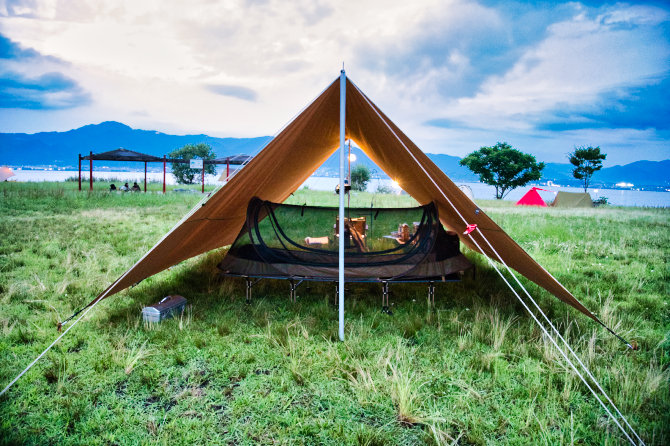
[474, 370]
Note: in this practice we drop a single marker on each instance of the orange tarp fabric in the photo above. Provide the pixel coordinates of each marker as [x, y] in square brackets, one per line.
[291, 157]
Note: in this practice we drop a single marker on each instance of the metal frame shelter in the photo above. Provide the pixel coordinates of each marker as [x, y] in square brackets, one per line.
[130, 155]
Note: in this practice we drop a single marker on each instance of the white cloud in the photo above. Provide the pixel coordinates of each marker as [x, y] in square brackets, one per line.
[153, 54]
[160, 56]
[579, 60]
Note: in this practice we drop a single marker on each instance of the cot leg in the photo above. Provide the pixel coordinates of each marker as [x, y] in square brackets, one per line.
[294, 287]
[431, 294]
[385, 299]
[250, 284]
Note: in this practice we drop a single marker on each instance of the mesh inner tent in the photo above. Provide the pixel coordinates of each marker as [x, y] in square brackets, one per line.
[381, 244]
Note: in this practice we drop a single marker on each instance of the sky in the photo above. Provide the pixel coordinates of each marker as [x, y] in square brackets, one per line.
[455, 75]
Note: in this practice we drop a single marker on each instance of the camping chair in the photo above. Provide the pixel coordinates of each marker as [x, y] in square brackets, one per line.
[356, 228]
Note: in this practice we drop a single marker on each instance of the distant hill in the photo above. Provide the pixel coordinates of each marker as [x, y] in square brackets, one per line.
[61, 149]
[639, 173]
[447, 163]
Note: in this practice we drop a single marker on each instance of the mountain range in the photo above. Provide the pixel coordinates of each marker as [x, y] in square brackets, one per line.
[61, 148]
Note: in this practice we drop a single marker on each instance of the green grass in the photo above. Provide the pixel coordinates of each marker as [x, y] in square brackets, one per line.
[475, 370]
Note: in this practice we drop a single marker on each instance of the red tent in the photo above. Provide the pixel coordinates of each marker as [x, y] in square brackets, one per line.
[532, 198]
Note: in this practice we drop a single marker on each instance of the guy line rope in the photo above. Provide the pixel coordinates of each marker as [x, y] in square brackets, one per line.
[104, 294]
[490, 261]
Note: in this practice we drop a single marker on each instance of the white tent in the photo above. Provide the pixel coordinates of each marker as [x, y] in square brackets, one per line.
[6, 172]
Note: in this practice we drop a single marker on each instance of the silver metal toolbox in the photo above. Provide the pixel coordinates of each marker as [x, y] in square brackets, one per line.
[166, 308]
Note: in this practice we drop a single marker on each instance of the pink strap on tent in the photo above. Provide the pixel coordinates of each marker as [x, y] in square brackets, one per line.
[469, 229]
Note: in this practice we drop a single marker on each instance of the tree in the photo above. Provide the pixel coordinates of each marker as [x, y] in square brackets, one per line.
[503, 167]
[586, 160]
[182, 171]
[360, 175]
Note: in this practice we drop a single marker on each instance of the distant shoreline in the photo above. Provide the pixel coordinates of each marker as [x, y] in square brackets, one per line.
[616, 197]
[155, 170]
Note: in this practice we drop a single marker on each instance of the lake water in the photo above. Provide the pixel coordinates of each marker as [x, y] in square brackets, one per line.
[615, 197]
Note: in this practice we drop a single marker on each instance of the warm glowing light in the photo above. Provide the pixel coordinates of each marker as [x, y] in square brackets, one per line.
[352, 157]
[395, 184]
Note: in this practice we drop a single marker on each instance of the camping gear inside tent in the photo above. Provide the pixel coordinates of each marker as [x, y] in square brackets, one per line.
[290, 241]
[572, 200]
[5, 172]
[532, 198]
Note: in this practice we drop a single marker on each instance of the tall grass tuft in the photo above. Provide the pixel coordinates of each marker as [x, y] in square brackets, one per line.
[362, 383]
[474, 370]
[185, 319]
[405, 388]
[499, 328]
[135, 355]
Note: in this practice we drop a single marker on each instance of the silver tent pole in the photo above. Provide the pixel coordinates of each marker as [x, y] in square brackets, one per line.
[343, 101]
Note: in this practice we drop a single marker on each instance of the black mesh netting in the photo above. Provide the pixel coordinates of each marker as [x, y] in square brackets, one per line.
[292, 241]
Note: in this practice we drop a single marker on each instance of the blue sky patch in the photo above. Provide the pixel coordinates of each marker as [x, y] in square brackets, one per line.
[49, 91]
[464, 52]
[44, 91]
[12, 50]
[641, 108]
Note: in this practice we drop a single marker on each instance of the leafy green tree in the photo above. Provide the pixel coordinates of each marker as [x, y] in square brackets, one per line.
[182, 171]
[360, 175]
[503, 167]
[586, 160]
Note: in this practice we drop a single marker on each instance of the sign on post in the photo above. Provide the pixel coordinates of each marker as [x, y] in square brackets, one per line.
[195, 164]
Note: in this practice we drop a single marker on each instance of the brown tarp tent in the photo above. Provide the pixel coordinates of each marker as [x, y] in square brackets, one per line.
[295, 153]
[572, 200]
